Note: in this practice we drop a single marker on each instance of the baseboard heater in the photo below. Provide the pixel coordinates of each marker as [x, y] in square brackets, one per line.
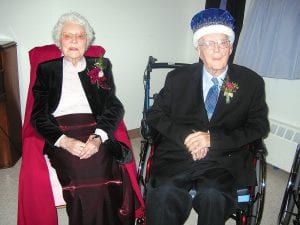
[281, 144]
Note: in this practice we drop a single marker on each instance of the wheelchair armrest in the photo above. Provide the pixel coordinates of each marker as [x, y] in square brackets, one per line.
[258, 147]
[147, 132]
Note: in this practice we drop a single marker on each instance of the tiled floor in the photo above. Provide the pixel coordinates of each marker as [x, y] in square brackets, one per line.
[276, 183]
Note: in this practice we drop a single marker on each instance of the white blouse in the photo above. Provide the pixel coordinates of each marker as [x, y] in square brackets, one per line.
[73, 99]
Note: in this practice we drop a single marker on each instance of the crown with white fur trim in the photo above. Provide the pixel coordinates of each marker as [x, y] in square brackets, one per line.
[212, 21]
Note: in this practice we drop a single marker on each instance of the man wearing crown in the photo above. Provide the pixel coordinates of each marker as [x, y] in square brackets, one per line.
[205, 115]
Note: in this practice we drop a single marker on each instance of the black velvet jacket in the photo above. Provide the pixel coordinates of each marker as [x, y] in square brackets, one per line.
[105, 106]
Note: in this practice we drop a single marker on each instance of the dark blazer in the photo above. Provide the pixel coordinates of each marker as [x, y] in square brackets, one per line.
[179, 109]
[104, 104]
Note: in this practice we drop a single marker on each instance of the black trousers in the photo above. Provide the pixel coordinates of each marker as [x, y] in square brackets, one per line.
[168, 200]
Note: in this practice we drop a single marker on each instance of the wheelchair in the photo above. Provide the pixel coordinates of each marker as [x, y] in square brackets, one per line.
[291, 195]
[250, 199]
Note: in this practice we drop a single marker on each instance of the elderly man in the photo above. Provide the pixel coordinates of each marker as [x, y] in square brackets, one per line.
[205, 115]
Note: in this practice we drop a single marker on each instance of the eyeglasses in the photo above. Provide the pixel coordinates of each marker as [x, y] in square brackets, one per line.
[212, 44]
[69, 36]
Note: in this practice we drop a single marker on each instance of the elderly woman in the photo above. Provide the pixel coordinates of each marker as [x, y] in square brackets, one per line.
[77, 112]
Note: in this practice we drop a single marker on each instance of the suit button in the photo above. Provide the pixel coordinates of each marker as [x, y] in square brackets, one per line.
[229, 155]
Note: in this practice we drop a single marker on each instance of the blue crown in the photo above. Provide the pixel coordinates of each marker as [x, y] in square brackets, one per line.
[212, 16]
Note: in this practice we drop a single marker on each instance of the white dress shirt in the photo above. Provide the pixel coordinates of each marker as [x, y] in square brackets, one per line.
[207, 82]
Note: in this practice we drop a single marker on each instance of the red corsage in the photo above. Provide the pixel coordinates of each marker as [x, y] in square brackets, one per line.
[96, 74]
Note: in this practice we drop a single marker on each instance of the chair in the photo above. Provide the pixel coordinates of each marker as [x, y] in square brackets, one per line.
[291, 196]
[250, 199]
[37, 201]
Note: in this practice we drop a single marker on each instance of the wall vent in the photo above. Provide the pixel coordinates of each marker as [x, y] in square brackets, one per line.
[285, 131]
[281, 144]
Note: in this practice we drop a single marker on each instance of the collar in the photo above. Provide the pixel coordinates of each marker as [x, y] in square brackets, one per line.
[207, 76]
[68, 66]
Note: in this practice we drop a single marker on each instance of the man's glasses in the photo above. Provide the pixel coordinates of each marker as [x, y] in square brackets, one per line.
[211, 45]
[69, 36]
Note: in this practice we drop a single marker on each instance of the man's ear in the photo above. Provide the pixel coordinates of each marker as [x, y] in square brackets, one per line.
[231, 48]
[199, 53]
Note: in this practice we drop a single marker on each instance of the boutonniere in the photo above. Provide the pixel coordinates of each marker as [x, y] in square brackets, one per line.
[229, 88]
[96, 74]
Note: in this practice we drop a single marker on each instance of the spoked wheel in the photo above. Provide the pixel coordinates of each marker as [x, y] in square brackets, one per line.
[251, 213]
[143, 173]
[291, 196]
[255, 208]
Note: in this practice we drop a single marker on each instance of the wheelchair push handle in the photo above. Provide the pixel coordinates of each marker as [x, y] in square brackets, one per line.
[152, 64]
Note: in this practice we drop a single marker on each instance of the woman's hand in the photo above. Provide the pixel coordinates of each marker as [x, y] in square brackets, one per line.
[91, 147]
[72, 145]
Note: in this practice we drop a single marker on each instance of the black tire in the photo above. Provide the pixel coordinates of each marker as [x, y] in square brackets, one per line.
[255, 210]
[142, 167]
[291, 195]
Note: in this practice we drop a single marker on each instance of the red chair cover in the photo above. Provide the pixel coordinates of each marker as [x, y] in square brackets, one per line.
[35, 199]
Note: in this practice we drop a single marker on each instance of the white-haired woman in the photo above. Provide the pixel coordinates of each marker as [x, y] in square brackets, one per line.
[77, 112]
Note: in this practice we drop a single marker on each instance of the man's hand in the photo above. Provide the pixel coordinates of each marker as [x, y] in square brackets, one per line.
[198, 144]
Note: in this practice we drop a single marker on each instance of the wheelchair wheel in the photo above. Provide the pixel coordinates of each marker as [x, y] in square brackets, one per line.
[145, 164]
[142, 171]
[255, 208]
[291, 195]
[250, 213]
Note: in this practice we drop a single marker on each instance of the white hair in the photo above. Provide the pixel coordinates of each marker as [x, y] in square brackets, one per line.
[72, 17]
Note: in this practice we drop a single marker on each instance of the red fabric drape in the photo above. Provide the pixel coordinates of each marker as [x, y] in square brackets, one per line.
[35, 199]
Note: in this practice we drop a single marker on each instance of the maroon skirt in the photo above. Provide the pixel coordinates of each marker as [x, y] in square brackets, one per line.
[93, 187]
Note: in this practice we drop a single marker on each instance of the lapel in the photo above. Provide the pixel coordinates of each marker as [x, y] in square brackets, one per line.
[85, 79]
[92, 92]
[221, 103]
[57, 71]
[198, 76]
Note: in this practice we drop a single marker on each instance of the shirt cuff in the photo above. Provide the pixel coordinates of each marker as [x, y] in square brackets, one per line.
[56, 144]
[102, 134]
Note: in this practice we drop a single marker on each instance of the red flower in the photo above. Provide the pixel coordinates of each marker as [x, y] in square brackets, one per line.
[230, 85]
[94, 75]
[229, 88]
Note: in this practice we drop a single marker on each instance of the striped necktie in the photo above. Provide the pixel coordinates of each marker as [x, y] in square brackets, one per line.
[212, 98]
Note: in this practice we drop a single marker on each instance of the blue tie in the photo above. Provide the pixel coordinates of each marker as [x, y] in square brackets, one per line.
[212, 98]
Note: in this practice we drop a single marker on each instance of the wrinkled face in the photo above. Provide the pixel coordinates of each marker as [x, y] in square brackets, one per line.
[214, 50]
[73, 42]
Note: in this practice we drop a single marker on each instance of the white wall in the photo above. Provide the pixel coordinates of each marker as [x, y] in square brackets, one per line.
[130, 31]
[283, 100]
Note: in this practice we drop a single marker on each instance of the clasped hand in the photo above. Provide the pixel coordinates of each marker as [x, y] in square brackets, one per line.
[79, 148]
[198, 144]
